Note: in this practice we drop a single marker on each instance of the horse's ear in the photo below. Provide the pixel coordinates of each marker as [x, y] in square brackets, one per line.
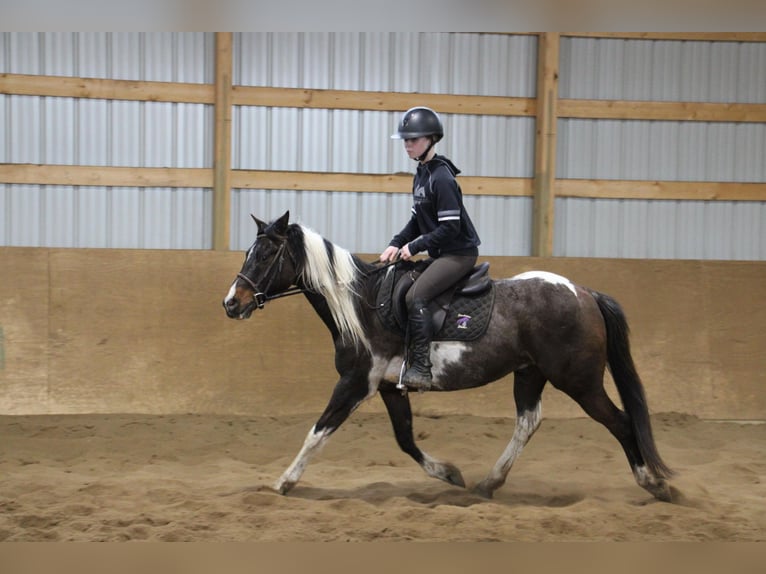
[261, 224]
[280, 225]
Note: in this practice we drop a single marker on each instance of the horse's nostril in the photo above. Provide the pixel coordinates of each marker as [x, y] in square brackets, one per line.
[230, 303]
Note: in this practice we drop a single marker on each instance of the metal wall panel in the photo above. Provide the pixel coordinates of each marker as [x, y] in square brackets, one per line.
[365, 222]
[661, 150]
[68, 131]
[111, 133]
[359, 142]
[441, 63]
[662, 70]
[730, 230]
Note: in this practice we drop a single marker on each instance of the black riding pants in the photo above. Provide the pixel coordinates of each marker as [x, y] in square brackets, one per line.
[442, 274]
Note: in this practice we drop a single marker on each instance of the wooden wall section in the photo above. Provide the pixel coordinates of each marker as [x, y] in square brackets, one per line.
[86, 331]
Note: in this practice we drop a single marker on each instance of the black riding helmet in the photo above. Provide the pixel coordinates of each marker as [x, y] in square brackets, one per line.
[418, 122]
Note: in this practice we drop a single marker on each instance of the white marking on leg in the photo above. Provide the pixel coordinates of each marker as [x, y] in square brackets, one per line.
[526, 425]
[313, 444]
[658, 487]
[432, 467]
[548, 278]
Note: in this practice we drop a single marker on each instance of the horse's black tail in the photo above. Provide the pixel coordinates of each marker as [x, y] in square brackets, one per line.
[628, 383]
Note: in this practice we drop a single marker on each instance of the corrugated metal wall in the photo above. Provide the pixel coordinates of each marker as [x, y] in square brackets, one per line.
[106, 133]
[117, 133]
[359, 142]
[661, 150]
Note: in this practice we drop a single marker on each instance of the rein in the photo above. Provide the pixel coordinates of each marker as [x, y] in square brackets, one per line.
[261, 298]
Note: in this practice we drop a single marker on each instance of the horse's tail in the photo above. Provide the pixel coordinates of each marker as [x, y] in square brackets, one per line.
[628, 383]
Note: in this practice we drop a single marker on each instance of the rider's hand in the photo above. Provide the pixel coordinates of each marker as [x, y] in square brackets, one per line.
[405, 252]
[390, 254]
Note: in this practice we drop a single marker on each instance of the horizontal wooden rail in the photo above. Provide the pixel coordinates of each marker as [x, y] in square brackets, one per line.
[96, 176]
[59, 86]
[667, 111]
[374, 183]
[68, 87]
[99, 176]
[680, 36]
[143, 91]
[381, 101]
[672, 190]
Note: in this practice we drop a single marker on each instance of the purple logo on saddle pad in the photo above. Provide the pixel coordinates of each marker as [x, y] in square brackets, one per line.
[462, 321]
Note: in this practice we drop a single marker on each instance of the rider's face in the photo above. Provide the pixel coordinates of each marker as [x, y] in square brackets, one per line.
[415, 147]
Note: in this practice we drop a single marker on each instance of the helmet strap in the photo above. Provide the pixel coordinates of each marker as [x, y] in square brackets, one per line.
[422, 156]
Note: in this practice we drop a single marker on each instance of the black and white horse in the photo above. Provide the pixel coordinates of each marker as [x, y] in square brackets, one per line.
[542, 328]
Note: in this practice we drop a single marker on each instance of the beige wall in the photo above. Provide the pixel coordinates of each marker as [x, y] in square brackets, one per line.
[144, 331]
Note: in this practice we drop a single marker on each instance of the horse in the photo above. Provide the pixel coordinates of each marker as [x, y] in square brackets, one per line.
[543, 328]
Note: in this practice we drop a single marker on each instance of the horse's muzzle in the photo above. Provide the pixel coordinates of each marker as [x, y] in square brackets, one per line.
[235, 311]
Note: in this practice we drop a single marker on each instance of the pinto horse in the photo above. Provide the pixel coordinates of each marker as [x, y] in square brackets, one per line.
[542, 328]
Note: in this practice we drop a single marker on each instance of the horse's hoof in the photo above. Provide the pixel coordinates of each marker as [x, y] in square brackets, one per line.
[483, 490]
[453, 476]
[663, 492]
[283, 487]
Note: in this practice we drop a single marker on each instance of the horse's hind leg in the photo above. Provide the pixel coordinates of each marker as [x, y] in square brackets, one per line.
[597, 404]
[400, 413]
[349, 393]
[527, 391]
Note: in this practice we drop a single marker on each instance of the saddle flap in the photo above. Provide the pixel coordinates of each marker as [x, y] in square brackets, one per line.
[391, 298]
[398, 306]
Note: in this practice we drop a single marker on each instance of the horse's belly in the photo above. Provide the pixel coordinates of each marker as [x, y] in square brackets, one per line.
[458, 365]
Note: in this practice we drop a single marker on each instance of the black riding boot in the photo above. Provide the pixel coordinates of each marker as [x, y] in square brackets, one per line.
[418, 376]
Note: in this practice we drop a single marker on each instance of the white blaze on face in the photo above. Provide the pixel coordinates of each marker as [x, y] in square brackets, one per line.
[548, 278]
[231, 293]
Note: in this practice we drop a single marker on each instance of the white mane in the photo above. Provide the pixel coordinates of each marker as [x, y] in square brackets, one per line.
[335, 283]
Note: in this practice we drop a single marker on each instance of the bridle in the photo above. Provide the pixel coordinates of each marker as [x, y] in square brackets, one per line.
[260, 297]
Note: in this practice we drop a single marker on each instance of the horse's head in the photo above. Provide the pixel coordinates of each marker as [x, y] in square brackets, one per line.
[268, 270]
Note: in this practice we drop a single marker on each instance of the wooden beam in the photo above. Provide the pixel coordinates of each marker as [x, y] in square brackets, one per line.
[545, 144]
[371, 183]
[68, 87]
[680, 36]
[101, 176]
[222, 142]
[381, 101]
[672, 190]
[668, 111]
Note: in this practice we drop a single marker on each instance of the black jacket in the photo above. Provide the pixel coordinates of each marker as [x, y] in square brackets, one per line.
[439, 222]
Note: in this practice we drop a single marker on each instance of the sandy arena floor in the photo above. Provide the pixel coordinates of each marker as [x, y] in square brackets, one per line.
[208, 478]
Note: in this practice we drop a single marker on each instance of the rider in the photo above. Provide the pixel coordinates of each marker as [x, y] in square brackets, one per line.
[439, 225]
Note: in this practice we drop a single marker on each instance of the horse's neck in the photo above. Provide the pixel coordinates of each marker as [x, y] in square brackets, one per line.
[322, 308]
[319, 303]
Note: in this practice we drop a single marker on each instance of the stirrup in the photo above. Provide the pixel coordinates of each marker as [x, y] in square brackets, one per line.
[418, 381]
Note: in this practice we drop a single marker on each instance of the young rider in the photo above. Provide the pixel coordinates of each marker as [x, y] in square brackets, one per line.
[439, 225]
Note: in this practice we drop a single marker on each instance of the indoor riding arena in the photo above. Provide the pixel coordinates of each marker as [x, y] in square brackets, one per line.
[133, 409]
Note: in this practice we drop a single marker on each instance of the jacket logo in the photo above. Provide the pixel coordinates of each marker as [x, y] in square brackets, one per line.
[420, 193]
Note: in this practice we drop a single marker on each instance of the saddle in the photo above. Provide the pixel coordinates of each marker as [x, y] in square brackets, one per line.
[461, 313]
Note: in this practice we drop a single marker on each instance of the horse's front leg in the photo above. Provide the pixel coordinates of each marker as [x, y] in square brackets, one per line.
[400, 413]
[349, 393]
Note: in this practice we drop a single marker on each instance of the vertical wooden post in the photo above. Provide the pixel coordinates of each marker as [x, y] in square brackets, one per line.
[222, 142]
[545, 143]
